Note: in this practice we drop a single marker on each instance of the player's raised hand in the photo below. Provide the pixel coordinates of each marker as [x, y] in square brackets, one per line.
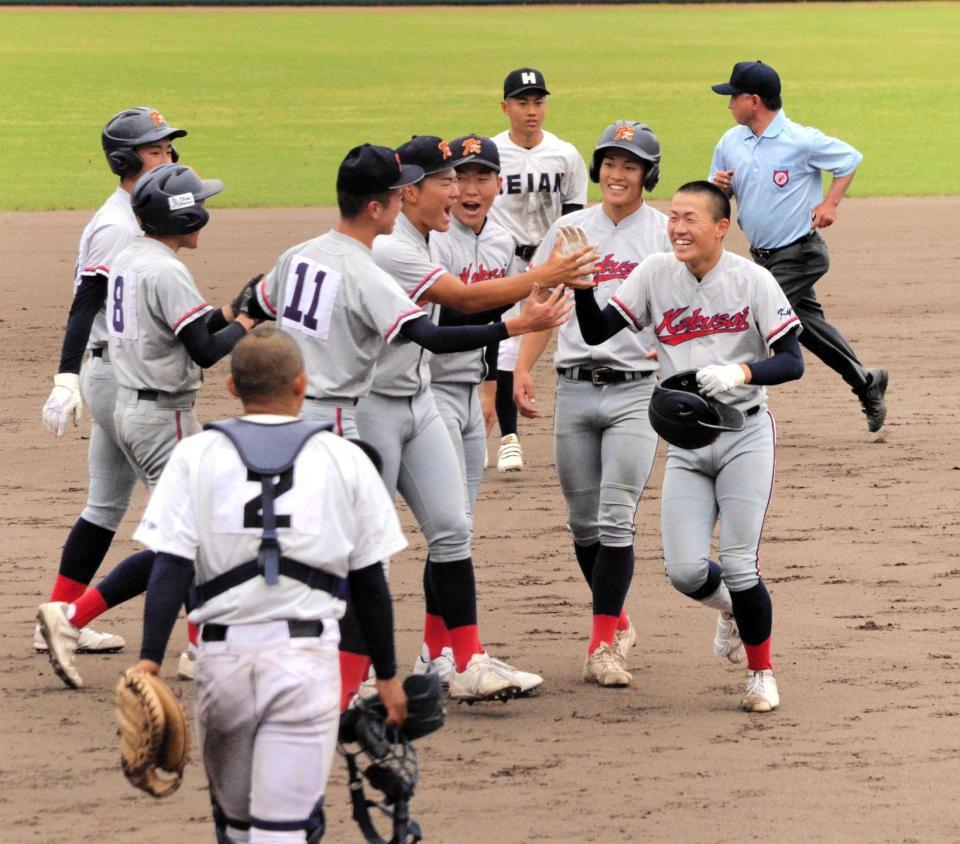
[524, 395]
[394, 700]
[63, 404]
[539, 316]
[572, 260]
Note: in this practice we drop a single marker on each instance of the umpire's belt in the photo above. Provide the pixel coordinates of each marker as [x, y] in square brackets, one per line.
[307, 575]
[602, 375]
[763, 254]
[525, 253]
[298, 630]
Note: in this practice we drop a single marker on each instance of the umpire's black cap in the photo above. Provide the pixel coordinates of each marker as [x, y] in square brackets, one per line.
[751, 78]
[476, 149]
[429, 153]
[370, 169]
[523, 79]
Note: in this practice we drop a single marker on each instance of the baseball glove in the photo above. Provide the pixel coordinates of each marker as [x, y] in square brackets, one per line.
[245, 302]
[153, 730]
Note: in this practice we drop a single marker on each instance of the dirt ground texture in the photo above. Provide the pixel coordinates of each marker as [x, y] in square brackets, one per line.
[861, 553]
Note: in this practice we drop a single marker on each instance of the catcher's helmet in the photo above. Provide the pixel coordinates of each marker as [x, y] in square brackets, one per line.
[635, 138]
[686, 419]
[132, 128]
[168, 199]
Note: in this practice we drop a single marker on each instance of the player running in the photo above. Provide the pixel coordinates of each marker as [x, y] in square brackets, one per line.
[604, 443]
[721, 315]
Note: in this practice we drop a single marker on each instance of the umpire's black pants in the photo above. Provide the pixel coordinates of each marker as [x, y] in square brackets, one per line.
[797, 268]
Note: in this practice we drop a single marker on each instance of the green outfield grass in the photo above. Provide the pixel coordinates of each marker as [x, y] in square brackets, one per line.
[273, 98]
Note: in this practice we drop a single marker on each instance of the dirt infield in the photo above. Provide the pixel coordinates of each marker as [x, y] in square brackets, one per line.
[861, 553]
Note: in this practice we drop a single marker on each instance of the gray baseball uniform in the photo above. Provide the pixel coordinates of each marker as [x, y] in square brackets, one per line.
[733, 315]
[604, 443]
[151, 297]
[400, 418]
[473, 258]
[342, 310]
[267, 703]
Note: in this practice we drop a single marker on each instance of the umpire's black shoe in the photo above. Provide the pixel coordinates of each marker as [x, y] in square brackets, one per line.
[872, 401]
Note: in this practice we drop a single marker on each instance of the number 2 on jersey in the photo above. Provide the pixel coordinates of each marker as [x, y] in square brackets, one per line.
[309, 293]
[253, 510]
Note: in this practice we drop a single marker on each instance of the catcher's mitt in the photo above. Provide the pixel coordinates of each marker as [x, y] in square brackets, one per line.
[153, 730]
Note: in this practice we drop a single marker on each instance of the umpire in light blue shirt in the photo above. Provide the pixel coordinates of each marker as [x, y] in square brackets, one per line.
[773, 167]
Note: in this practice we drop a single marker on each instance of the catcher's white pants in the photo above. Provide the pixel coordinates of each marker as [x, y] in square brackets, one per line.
[268, 710]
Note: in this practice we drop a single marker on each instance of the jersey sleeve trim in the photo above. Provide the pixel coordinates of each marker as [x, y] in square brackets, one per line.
[782, 329]
[265, 299]
[398, 323]
[426, 282]
[100, 269]
[626, 312]
[190, 316]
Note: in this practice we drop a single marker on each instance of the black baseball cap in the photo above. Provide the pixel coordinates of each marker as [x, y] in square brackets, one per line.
[522, 80]
[370, 169]
[429, 153]
[751, 78]
[476, 149]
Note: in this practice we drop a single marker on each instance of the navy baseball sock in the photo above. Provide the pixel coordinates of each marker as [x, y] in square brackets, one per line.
[586, 557]
[455, 590]
[83, 552]
[506, 409]
[753, 611]
[435, 636]
[710, 585]
[126, 581]
[612, 573]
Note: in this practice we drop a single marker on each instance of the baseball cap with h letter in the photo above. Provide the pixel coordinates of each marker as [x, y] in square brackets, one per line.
[522, 80]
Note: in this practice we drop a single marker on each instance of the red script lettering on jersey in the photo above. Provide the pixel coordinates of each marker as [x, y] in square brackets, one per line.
[610, 269]
[675, 328]
[468, 276]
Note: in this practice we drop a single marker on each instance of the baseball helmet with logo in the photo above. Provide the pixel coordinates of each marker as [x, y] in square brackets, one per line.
[168, 199]
[686, 419]
[636, 138]
[131, 128]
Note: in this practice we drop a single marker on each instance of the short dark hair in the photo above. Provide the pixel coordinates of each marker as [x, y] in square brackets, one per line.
[718, 199]
[264, 365]
[352, 204]
[774, 103]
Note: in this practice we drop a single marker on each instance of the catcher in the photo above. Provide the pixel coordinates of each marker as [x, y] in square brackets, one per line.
[275, 517]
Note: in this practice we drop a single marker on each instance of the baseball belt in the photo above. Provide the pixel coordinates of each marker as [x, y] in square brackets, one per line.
[602, 375]
[525, 253]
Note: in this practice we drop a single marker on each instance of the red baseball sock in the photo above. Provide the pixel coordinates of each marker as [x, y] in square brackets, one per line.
[193, 633]
[435, 635]
[604, 631]
[67, 590]
[353, 671]
[465, 642]
[87, 607]
[623, 623]
[758, 656]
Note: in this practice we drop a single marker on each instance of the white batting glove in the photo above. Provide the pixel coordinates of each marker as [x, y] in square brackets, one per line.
[572, 239]
[64, 402]
[715, 379]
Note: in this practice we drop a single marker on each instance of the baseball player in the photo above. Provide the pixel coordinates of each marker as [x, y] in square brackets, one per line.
[723, 316]
[604, 443]
[350, 318]
[774, 167]
[134, 141]
[267, 676]
[542, 179]
[161, 335]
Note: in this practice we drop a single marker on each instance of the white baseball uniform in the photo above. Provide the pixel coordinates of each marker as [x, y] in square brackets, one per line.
[342, 310]
[267, 698]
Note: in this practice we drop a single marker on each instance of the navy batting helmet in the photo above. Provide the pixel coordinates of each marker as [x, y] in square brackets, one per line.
[131, 128]
[686, 419]
[635, 138]
[168, 199]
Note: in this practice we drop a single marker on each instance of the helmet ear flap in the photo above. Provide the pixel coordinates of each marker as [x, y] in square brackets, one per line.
[174, 155]
[595, 167]
[651, 176]
[124, 161]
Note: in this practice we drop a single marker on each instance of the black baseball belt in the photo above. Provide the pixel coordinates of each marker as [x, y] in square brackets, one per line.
[763, 254]
[525, 253]
[298, 630]
[602, 375]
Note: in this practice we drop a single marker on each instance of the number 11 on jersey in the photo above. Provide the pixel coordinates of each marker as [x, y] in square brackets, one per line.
[310, 290]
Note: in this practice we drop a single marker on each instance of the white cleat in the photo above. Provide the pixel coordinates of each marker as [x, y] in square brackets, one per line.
[606, 666]
[61, 638]
[762, 694]
[510, 454]
[626, 639]
[187, 664]
[527, 680]
[443, 666]
[726, 641]
[483, 679]
[90, 642]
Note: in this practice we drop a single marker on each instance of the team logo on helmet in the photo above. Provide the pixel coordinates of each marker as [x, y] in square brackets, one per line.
[157, 118]
[444, 148]
[625, 133]
[781, 177]
[472, 146]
